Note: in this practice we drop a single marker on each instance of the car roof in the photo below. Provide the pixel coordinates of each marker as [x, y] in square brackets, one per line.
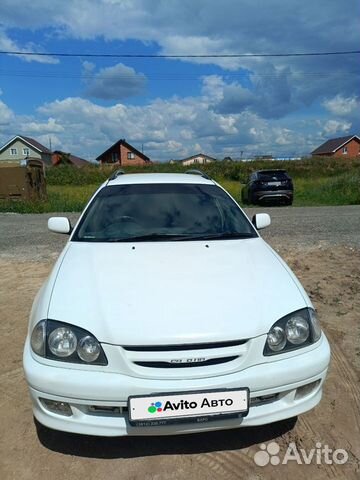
[136, 178]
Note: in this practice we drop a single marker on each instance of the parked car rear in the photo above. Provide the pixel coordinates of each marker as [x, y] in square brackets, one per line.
[268, 186]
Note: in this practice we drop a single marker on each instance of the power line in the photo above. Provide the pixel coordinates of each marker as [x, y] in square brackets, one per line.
[169, 75]
[138, 55]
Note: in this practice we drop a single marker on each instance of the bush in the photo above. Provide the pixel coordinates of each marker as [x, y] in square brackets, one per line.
[237, 171]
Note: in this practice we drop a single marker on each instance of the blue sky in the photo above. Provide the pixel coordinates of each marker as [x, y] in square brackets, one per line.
[177, 107]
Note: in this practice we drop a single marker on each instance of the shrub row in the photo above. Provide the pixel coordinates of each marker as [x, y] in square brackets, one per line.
[238, 171]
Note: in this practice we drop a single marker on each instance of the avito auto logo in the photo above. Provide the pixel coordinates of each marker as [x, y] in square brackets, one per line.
[186, 405]
[155, 407]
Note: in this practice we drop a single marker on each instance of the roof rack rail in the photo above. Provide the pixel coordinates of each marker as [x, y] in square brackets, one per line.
[115, 174]
[198, 172]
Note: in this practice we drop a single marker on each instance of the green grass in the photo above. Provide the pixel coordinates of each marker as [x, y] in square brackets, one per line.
[231, 186]
[317, 182]
[343, 189]
[61, 198]
[238, 171]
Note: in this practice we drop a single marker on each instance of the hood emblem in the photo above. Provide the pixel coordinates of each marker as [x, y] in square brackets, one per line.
[188, 360]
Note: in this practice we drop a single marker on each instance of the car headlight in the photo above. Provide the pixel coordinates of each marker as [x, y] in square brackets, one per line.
[276, 339]
[299, 329]
[89, 349]
[62, 342]
[38, 338]
[66, 343]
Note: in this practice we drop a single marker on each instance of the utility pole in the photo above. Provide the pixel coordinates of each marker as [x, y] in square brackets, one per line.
[50, 144]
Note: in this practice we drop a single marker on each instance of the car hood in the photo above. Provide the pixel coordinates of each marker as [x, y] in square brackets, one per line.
[173, 292]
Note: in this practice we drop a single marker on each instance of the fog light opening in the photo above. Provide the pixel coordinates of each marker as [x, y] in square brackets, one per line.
[306, 390]
[263, 399]
[60, 408]
[105, 410]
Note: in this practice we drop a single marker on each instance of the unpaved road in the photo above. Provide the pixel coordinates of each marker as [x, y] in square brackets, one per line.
[326, 260]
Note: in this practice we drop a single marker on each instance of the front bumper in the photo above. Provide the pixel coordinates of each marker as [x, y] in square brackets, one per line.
[275, 393]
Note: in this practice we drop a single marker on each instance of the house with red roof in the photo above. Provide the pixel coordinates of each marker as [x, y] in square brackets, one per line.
[124, 154]
[339, 147]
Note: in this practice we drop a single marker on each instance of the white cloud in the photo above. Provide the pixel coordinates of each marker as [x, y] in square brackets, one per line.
[333, 127]
[168, 129]
[88, 67]
[284, 136]
[6, 115]
[115, 83]
[272, 88]
[243, 111]
[7, 44]
[50, 126]
[213, 87]
[197, 27]
[52, 141]
[340, 105]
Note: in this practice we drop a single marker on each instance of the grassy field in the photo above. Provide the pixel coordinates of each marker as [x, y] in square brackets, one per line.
[317, 182]
[61, 198]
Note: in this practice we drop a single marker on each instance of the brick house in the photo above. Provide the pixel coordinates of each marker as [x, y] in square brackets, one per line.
[339, 147]
[61, 158]
[124, 154]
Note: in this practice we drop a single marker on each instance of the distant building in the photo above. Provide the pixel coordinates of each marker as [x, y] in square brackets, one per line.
[20, 147]
[199, 159]
[264, 157]
[122, 153]
[62, 158]
[338, 147]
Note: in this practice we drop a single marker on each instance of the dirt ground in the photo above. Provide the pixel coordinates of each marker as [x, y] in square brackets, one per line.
[27, 451]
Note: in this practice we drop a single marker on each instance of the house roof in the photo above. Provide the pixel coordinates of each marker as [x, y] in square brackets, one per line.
[332, 145]
[79, 162]
[122, 141]
[198, 155]
[30, 141]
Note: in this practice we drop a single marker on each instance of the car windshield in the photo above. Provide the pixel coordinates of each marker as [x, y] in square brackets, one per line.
[156, 212]
[273, 176]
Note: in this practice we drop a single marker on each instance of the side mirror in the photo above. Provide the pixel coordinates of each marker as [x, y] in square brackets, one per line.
[261, 220]
[59, 225]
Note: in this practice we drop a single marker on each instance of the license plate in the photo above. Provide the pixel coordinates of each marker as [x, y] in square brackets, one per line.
[162, 409]
[275, 184]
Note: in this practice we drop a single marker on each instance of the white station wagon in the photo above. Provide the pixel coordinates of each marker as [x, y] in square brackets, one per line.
[167, 313]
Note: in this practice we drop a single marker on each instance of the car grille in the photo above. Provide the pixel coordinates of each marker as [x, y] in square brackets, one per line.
[194, 359]
[202, 363]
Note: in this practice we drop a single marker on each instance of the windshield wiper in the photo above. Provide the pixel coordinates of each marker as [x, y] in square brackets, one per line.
[172, 237]
[150, 237]
[223, 235]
